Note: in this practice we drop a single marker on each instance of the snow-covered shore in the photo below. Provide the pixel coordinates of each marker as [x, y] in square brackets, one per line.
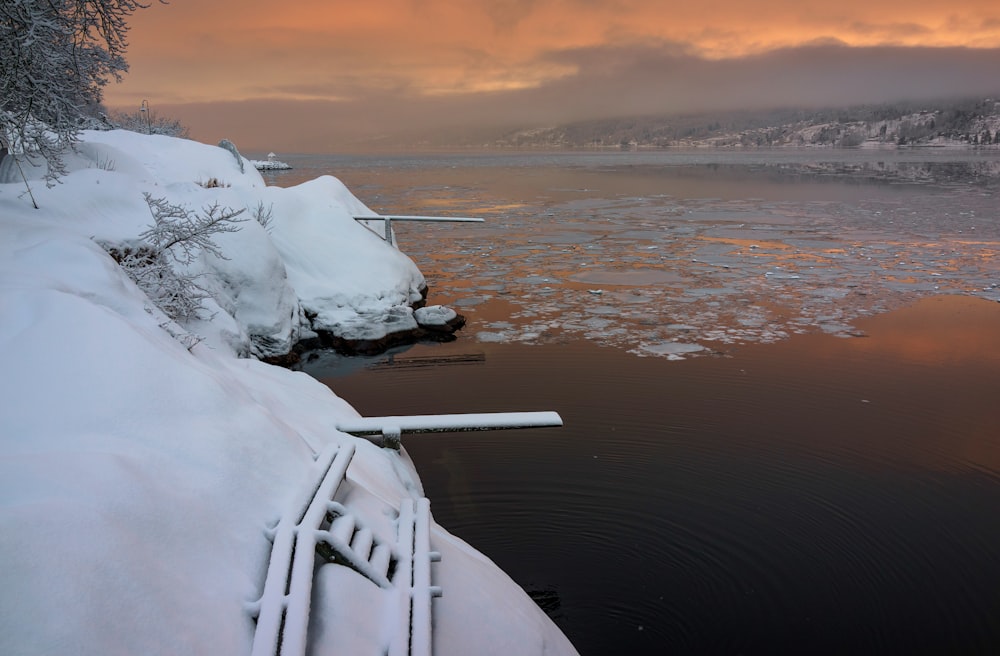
[139, 473]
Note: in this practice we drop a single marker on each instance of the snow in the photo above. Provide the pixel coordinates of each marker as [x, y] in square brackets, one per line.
[376, 282]
[434, 315]
[270, 165]
[672, 350]
[140, 473]
[461, 422]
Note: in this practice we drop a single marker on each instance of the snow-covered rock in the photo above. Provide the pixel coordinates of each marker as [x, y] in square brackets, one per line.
[270, 165]
[435, 315]
[320, 242]
[312, 268]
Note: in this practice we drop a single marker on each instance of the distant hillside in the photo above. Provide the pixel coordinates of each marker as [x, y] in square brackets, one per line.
[965, 122]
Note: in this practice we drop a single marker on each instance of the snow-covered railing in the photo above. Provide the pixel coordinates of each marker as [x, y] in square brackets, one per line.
[413, 576]
[387, 431]
[403, 217]
[282, 613]
[319, 525]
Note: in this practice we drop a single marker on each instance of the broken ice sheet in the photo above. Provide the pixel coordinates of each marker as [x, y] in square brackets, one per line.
[795, 255]
[673, 350]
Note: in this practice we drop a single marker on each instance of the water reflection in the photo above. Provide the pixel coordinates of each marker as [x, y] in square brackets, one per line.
[672, 253]
[815, 496]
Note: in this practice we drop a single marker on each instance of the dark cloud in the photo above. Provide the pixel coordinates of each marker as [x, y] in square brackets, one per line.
[622, 80]
[506, 14]
[610, 81]
[895, 29]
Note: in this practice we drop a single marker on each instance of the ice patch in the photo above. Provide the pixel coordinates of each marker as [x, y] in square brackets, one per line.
[673, 350]
[730, 270]
[492, 337]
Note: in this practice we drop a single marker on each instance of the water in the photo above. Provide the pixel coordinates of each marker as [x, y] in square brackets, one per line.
[784, 488]
[671, 254]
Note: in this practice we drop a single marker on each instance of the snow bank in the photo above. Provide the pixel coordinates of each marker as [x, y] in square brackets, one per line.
[138, 475]
[312, 267]
[319, 240]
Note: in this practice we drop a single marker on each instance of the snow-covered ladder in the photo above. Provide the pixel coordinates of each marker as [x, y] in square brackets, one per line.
[325, 527]
[403, 217]
[413, 577]
[387, 431]
[282, 613]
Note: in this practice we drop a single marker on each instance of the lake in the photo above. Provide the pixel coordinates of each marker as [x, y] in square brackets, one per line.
[778, 373]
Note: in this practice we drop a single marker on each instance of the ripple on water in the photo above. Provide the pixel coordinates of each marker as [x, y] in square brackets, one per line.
[815, 496]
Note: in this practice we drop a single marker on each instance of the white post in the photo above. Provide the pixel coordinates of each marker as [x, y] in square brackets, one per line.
[420, 636]
[403, 580]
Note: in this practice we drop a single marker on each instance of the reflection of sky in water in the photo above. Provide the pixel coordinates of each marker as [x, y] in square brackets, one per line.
[662, 260]
[809, 488]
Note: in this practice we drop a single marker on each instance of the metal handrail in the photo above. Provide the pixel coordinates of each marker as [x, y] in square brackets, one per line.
[386, 431]
[389, 218]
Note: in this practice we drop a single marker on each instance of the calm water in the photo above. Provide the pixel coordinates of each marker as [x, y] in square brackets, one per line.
[784, 488]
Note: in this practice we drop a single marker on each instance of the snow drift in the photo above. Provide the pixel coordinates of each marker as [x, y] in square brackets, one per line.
[139, 472]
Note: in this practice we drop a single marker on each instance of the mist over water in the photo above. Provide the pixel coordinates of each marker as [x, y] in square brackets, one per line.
[791, 486]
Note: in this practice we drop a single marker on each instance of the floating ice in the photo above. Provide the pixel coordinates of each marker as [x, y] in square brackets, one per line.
[731, 268]
[673, 350]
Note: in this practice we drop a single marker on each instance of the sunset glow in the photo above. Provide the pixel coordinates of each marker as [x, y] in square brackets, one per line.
[188, 52]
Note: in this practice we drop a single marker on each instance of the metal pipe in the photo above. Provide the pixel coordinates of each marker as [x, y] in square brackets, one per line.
[407, 217]
[362, 426]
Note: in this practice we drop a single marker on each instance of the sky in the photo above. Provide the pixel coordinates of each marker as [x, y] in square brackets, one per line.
[325, 75]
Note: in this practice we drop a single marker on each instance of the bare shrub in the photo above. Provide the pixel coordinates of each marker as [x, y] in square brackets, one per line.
[177, 236]
[263, 215]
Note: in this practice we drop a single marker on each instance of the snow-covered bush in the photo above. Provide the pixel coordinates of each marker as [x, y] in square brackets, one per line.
[158, 262]
[264, 215]
[147, 121]
[57, 56]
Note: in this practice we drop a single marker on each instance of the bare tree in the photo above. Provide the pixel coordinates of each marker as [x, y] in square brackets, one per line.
[147, 121]
[57, 56]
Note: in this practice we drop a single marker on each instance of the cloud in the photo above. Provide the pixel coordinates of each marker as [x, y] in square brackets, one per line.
[506, 14]
[889, 30]
[607, 81]
[639, 80]
[209, 51]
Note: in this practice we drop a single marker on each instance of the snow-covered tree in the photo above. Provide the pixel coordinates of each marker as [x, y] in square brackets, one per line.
[56, 56]
[147, 121]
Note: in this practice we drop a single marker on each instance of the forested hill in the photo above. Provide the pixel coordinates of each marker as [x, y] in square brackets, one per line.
[967, 122]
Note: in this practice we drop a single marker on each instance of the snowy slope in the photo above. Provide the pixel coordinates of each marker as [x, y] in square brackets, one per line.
[138, 476]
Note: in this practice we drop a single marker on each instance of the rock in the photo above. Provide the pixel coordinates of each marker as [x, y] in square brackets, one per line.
[400, 325]
[434, 317]
[286, 360]
[226, 144]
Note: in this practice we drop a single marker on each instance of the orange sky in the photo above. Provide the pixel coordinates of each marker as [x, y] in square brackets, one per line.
[191, 55]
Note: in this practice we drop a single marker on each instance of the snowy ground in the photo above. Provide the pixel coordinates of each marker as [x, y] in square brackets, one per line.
[140, 466]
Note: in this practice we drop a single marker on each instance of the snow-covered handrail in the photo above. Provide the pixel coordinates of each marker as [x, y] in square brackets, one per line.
[282, 613]
[389, 429]
[413, 578]
[388, 219]
[316, 525]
